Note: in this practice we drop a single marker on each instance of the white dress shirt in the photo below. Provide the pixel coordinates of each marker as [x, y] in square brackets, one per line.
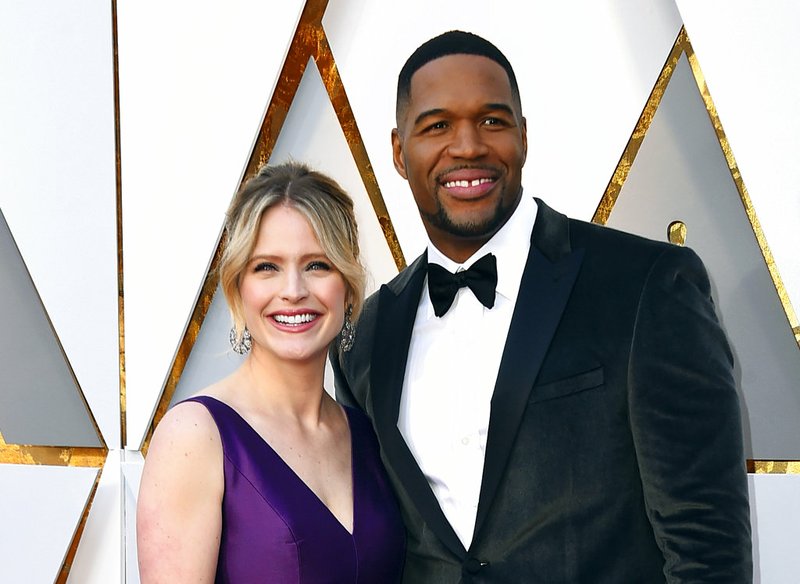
[451, 373]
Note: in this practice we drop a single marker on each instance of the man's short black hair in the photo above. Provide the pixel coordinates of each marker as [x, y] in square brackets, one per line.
[454, 42]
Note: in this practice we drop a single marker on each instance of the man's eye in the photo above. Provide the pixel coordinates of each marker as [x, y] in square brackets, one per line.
[318, 265]
[436, 126]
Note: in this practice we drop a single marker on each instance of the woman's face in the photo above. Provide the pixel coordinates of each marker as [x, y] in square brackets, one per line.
[293, 296]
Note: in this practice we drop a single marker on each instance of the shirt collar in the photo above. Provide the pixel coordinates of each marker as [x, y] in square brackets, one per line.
[510, 245]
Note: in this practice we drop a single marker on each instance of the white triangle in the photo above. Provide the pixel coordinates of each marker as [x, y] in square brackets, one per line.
[193, 91]
[41, 508]
[99, 555]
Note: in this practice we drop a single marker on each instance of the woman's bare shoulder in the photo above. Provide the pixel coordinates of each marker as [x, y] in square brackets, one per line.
[180, 495]
[184, 424]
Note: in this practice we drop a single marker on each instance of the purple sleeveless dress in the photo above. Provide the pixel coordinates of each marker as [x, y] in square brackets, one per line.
[276, 530]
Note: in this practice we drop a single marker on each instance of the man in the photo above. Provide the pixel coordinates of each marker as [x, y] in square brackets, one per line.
[576, 423]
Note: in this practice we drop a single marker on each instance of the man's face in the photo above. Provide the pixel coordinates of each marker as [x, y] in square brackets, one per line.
[461, 145]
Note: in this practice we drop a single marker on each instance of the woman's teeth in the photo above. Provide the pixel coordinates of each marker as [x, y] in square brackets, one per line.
[294, 318]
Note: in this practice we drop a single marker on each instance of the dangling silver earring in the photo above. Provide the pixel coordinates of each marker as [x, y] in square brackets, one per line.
[243, 345]
[348, 334]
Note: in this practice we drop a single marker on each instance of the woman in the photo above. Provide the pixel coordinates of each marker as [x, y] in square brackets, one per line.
[263, 477]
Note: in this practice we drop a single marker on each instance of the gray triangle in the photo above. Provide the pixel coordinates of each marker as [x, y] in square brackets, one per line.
[40, 401]
[680, 173]
[211, 357]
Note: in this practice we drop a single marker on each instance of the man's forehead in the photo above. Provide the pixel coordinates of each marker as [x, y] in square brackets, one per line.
[477, 78]
[466, 63]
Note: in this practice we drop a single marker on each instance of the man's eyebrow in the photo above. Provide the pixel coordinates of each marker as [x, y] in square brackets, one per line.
[431, 112]
[504, 107]
[489, 107]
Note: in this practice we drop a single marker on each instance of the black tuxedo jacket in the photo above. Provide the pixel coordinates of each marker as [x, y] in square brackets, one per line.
[614, 453]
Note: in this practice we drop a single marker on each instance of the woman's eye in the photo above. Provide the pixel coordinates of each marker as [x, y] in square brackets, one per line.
[318, 265]
[264, 267]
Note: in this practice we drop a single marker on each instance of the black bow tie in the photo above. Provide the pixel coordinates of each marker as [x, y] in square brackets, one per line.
[481, 278]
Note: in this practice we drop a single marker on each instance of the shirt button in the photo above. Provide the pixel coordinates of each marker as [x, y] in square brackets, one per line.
[465, 440]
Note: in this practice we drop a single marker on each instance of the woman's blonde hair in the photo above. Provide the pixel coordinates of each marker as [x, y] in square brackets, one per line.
[328, 209]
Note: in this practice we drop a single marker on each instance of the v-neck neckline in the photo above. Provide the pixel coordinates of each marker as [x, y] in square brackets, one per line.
[293, 473]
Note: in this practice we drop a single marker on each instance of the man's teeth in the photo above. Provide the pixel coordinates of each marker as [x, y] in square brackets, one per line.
[467, 183]
[294, 318]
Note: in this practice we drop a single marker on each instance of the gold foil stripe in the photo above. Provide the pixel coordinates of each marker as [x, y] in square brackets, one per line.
[773, 466]
[683, 46]
[614, 187]
[303, 45]
[341, 105]
[185, 348]
[123, 407]
[66, 566]
[783, 294]
[52, 455]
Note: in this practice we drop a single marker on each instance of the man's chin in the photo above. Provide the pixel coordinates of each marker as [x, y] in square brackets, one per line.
[471, 229]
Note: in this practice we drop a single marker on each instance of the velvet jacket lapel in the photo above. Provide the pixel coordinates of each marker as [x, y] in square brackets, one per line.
[397, 307]
[547, 281]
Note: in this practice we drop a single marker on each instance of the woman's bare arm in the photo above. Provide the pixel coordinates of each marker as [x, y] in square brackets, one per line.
[179, 513]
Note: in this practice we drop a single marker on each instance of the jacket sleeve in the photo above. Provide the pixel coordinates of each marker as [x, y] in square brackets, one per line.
[344, 394]
[685, 419]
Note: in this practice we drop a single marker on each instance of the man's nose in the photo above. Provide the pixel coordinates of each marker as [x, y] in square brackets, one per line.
[467, 142]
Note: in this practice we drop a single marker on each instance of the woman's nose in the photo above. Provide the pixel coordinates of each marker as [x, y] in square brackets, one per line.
[294, 286]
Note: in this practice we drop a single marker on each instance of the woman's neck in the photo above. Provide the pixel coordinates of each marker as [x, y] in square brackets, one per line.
[289, 388]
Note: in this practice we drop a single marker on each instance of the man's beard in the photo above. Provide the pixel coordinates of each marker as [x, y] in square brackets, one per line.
[471, 229]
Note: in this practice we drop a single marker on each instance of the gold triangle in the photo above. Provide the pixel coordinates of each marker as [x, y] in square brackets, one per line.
[309, 42]
[681, 47]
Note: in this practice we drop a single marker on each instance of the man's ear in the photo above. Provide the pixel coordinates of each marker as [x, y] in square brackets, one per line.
[397, 154]
[524, 129]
